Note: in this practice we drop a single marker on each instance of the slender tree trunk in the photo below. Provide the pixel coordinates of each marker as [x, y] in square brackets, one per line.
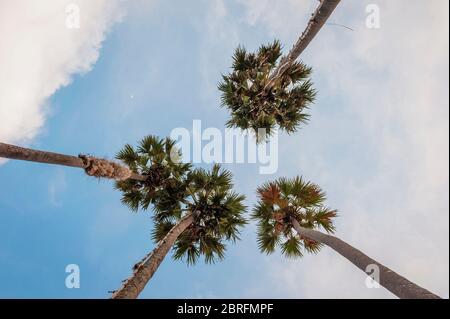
[134, 285]
[318, 19]
[398, 285]
[92, 166]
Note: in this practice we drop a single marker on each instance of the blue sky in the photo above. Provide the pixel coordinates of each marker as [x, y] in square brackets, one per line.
[377, 142]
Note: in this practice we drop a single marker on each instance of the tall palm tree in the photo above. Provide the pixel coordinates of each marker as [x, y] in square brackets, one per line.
[289, 212]
[264, 91]
[253, 108]
[195, 219]
[93, 166]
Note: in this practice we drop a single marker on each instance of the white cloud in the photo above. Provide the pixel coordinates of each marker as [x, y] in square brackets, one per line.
[39, 54]
[277, 14]
[391, 88]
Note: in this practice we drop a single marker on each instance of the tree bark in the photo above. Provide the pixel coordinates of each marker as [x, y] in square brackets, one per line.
[398, 285]
[93, 166]
[318, 19]
[134, 285]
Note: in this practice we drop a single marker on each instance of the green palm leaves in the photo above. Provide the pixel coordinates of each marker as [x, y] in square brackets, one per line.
[218, 211]
[175, 189]
[280, 202]
[158, 160]
[254, 107]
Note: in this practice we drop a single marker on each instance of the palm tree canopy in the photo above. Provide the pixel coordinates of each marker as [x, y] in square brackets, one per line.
[159, 160]
[218, 215]
[283, 199]
[251, 106]
[175, 189]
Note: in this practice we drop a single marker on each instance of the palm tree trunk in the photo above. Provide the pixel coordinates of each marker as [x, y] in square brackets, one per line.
[398, 285]
[134, 285]
[318, 19]
[92, 166]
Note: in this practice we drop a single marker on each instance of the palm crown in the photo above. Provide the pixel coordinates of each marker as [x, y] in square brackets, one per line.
[252, 106]
[283, 199]
[158, 160]
[174, 189]
[218, 215]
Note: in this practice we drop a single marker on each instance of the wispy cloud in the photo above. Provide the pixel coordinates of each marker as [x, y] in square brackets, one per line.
[56, 186]
[279, 17]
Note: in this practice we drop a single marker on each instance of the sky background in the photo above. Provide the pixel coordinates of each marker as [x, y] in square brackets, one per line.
[377, 142]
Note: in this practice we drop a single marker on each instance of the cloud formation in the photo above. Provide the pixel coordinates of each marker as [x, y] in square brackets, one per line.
[41, 49]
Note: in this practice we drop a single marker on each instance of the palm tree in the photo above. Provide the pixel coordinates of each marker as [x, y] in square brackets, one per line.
[93, 166]
[159, 161]
[252, 107]
[194, 218]
[263, 93]
[289, 212]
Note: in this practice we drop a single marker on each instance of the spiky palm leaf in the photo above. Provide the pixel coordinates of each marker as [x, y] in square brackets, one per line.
[219, 215]
[283, 199]
[158, 160]
[252, 107]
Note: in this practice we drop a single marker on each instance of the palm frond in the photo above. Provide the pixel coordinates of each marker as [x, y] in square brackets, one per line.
[311, 246]
[267, 238]
[128, 155]
[291, 247]
[324, 218]
[161, 229]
